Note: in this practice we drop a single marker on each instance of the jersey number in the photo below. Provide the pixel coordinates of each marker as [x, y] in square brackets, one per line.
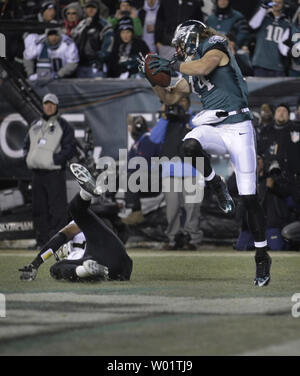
[201, 83]
[275, 33]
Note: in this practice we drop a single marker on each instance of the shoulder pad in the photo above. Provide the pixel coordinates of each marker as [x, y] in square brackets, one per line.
[217, 39]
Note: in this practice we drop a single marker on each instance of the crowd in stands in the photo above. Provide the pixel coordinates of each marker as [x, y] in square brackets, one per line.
[102, 38]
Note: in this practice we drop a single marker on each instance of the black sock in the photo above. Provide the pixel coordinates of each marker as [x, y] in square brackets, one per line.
[261, 253]
[53, 244]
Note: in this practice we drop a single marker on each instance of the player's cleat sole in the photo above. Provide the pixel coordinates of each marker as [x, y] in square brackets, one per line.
[95, 269]
[224, 199]
[85, 179]
[263, 271]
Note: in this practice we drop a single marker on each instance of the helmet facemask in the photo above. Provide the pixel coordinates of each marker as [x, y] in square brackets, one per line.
[187, 39]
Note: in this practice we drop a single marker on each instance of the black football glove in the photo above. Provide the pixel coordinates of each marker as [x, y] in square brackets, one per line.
[28, 273]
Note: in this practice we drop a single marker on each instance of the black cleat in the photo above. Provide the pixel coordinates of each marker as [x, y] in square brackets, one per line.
[224, 199]
[85, 179]
[263, 267]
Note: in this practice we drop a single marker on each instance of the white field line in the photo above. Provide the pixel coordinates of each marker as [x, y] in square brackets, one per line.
[107, 309]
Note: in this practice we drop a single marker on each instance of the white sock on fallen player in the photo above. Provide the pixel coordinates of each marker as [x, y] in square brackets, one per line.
[86, 196]
[81, 272]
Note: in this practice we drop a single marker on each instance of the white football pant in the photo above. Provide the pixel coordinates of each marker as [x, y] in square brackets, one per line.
[237, 140]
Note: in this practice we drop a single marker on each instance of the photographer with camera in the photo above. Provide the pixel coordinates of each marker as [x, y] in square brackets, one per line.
[126, 9]
[282, 142]
[145, 148]
[273, 192]
[174, 124]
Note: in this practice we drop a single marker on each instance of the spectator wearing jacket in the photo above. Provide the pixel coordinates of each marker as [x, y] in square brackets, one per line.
[47, 12]
[124, 58]
[71, 15]
[270, 25]
[49, 145]
[170, 14]
[50, 56]
[103, 8]
[290, 46]
[126, 9]
[94, 37]
[148, 15]
[226, 20]
[169, 133]
[264, 120]
[281, 141]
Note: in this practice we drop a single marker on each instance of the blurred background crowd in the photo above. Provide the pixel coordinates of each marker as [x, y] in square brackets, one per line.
[50, 40]
[102, 38]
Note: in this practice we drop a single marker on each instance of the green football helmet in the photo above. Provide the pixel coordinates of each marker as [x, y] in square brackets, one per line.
[187, 38]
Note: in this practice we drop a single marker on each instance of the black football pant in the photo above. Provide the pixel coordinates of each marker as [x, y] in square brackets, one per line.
[102, 245]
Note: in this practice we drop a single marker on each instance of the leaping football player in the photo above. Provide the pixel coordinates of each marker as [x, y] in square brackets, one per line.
[224, 126]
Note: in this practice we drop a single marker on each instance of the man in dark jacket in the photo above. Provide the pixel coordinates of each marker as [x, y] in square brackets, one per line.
[281, 141]
[94, 37]
[225, 19]
[170, 14]
[48, 146]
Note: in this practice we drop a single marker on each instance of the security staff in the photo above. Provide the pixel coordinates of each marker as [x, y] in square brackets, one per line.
[48, 146]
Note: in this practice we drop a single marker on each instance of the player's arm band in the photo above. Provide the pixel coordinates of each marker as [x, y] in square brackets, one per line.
[49, 249]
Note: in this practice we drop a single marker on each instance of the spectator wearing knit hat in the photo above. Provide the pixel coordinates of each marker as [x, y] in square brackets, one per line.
[123, 62]
[50, 56]
[47, 12]
[103, 8]
[94, 37]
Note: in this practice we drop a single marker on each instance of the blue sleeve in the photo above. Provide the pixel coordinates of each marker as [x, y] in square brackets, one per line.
[191, 121]
[157, 135]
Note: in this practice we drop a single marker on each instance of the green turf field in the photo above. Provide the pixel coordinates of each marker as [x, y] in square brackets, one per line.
[177, 303]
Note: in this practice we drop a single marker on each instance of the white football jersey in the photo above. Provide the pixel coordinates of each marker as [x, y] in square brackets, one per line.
[75, 252]
[66, 52]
